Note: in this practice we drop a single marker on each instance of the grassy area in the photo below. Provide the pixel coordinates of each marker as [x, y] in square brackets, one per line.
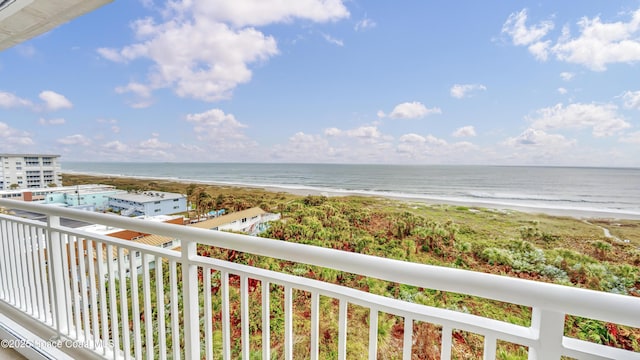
[539, 247]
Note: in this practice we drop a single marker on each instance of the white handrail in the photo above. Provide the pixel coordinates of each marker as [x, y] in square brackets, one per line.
[620, 309]
[544, 337]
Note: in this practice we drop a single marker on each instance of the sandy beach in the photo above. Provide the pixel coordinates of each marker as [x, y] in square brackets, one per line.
[575, 213]
[537, 209]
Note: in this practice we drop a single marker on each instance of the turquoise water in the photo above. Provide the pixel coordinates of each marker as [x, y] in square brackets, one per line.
[611, 190]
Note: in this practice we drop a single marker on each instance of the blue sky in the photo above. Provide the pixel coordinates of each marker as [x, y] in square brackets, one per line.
[330, 81]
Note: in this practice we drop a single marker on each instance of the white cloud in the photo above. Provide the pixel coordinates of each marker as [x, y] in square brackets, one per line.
[332, 132]
[567, 76]
[414, 147]
[116, 148]
[332, 40]
[142, 92]
[597, 45]
[365, 132]
[531, 36]
[10, 137]
[196, 53]
[465, 131]
[459, 91]
[77, 139]
[602, 119]
[154, 148]
[222, 132]
[600, 44]
[54, 101]
[381, 114]
[631, 99]
[150, 149]
[214, 118]
[9, 100]
[264, 12]
[57, 121]
[365, 24]
[154, 143]
[562, 91]
[539, 138]
[412, 110]
[412, 138]
[632, 138]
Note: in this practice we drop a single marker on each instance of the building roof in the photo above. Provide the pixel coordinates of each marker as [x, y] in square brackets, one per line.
[147, 196]
[229, 218]
[153, 240]
[83, 189]
[21, 20]
[23, 155]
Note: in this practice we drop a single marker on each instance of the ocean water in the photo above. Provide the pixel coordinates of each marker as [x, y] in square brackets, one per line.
[614, 191]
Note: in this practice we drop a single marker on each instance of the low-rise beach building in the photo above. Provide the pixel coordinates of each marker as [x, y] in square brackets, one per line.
[149, 203]
[94, 196]
[89, 197]
[251, 221]
[137, 237]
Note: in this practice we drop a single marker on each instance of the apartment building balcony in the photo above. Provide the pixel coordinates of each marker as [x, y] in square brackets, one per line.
[60, 299]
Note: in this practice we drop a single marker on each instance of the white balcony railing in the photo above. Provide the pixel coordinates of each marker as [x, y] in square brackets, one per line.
[55, 281]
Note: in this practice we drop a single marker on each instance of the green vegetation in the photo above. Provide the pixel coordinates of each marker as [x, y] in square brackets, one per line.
[545, 248]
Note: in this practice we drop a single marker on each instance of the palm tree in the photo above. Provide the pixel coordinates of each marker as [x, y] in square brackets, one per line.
[203, 201]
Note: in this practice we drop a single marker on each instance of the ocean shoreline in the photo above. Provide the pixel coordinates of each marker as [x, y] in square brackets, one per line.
[305, 191]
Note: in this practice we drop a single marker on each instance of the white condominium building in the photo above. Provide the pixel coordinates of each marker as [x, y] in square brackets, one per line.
[21, 171]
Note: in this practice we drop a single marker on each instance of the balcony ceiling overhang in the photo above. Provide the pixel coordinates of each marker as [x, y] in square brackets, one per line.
[21, 20]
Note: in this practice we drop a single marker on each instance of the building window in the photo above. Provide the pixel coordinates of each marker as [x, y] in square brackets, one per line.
[157, 210]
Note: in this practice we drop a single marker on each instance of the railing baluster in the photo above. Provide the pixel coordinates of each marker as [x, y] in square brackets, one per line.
[342, 329]
[83, 291]
[74, 278]
[175, 335]
[55, 259]
[124, 309]
[315, 324]
[489, 347]
[162, 330]
[33, 289]
[373, 333]
[95, 328]
[135, 306]
[66, 278]
[549, 326]
[226, 323]
[22, 276]
[445, 350]
[113, 302]
[102, 287]
[408, 338]
[148, 310]
[4, 264]
[190, 301]
[35, 272]
[266, 320]
[288, 323]
[13, 266]
[244, 316]
[208, 318]
[45, 275]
